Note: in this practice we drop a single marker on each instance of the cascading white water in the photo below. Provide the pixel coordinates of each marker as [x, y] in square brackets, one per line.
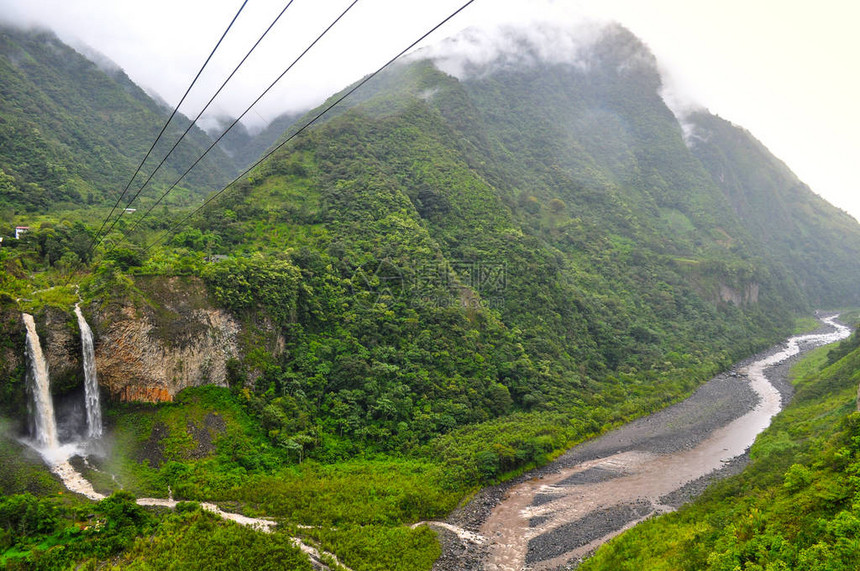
[91, 384]
[38, 386]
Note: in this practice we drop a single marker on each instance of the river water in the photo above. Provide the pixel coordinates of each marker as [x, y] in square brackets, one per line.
[547, 522]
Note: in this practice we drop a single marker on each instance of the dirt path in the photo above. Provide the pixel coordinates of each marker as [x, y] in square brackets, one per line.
[553, 517]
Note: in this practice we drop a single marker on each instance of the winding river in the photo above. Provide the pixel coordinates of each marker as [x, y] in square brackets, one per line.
[559, 514]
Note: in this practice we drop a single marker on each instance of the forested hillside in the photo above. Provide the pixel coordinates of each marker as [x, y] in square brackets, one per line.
[480, 261]
[72, 132]
[815, 242]
[467, 267]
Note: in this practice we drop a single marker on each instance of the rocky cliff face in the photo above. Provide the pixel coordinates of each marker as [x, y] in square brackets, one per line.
[148, 348]
[740, 296]
[151, 352]
[136, 363]
[61, 342]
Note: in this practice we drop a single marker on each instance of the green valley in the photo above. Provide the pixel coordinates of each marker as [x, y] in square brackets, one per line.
[449, 280]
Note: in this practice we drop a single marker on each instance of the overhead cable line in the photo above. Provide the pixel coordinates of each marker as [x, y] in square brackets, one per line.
[164, 128]
[193, 122]
[316, 118]
[239, 118]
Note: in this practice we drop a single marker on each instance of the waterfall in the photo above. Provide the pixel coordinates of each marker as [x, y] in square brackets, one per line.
[38, 386]
[91, 384]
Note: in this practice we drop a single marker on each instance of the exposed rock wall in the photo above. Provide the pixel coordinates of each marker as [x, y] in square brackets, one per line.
[134, 364]
[740, 297]
[149, 353]
[148, 347]
[61, 343]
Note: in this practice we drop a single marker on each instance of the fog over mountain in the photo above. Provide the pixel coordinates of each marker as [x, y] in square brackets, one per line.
[742, 62]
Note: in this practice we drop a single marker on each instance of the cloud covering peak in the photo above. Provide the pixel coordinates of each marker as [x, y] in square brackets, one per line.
[479, 50]
[586, 45]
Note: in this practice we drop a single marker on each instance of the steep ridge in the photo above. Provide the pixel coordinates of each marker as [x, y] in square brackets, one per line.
[72, 131]
[795, 227]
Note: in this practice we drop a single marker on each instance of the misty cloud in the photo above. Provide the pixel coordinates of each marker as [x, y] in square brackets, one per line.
[483, 50]
[682, 106]
[102, 61]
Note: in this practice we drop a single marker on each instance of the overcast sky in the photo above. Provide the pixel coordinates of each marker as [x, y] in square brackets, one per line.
[786, 70]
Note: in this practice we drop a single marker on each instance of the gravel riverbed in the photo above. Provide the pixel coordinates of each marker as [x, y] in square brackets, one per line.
[678, 428]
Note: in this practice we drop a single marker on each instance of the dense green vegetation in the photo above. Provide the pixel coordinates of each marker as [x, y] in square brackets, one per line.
[73, 131]
[195, 539]
[50, 533]
[462, 278]
[794, 507]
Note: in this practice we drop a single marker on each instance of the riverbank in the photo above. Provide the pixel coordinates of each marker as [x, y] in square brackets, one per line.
[789, 508]
[558, 513]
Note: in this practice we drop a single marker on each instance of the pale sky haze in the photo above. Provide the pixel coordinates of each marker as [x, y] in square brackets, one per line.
[784, 70]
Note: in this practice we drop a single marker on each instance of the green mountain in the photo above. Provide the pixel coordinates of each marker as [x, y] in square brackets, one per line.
[815, 242]
[451, 277]
[72, 132]
[534, 236]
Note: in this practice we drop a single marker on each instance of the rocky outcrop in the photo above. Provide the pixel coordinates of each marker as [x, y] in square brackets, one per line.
[136, 363]
[61, 342]
[149, 352]
[149, 345]
[740, 297]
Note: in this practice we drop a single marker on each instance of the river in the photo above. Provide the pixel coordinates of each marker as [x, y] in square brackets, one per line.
[551, 518]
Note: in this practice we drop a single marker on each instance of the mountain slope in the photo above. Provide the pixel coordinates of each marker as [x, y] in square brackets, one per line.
[72, 132]
[545, 220]
[816, 242]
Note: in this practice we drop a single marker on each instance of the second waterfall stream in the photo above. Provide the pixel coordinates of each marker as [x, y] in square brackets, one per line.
[91, 383]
